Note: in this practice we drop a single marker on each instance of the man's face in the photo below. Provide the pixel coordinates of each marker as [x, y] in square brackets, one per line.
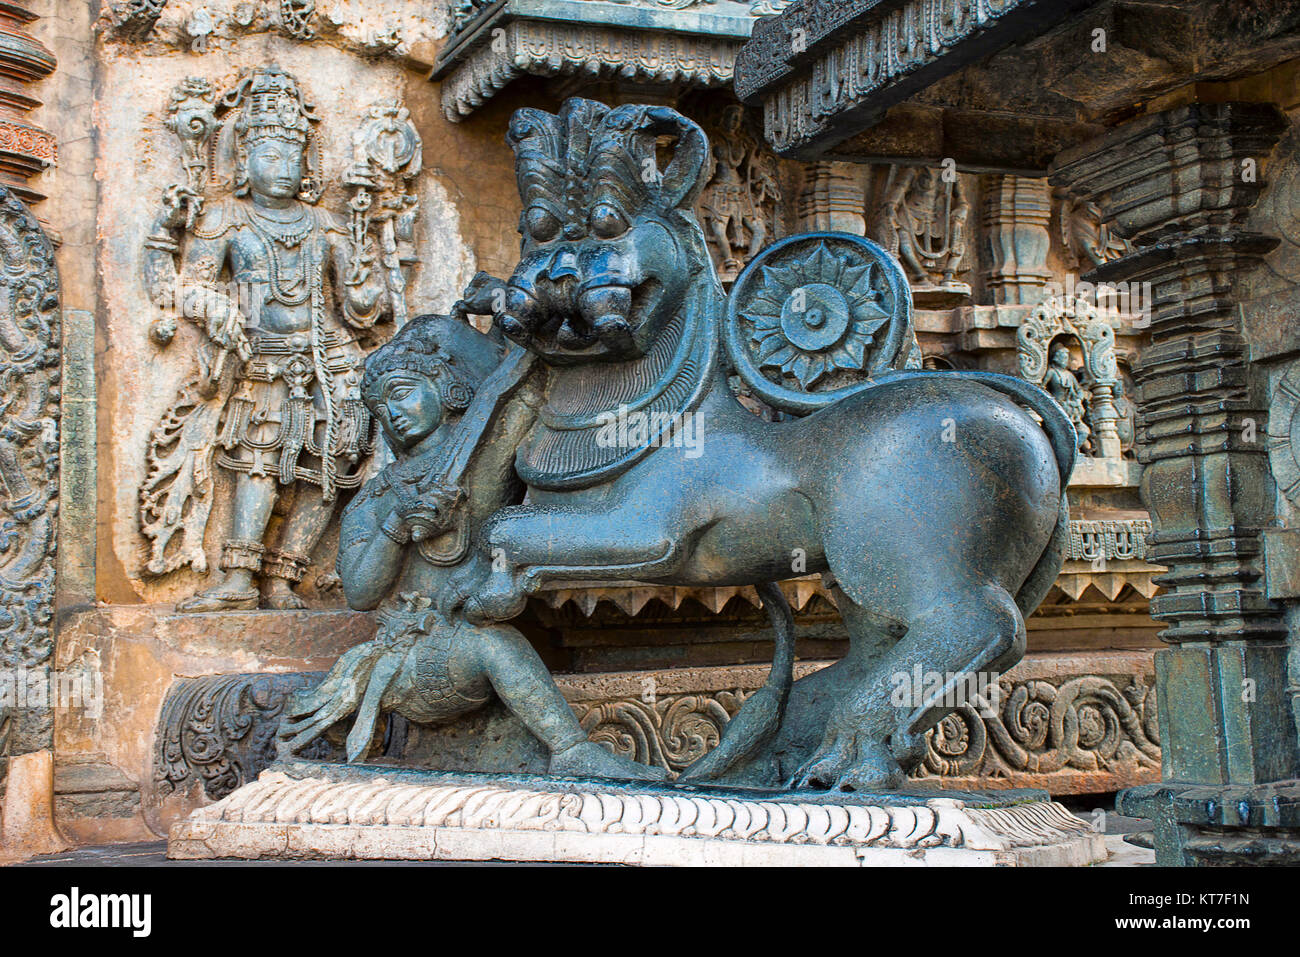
[1061, 356]
[275, 168]
[408, 407]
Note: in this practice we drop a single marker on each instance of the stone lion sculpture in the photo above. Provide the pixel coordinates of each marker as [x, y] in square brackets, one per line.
[933, 502]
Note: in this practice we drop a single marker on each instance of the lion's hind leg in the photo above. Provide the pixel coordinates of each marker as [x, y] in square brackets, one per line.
[875, 735]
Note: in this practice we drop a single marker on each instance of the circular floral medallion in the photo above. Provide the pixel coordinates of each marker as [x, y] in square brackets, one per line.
[814, 316]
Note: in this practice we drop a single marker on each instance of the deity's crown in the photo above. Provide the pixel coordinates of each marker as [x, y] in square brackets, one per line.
[272, 107]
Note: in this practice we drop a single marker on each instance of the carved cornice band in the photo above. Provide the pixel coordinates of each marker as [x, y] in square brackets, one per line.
[555, 49]
[823, 59]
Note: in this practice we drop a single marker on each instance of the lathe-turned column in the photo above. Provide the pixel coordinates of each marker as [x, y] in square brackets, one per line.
[1179, 184]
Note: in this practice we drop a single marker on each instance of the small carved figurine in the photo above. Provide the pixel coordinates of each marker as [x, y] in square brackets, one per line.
[1063, 386]
[406, 532]
[922, 221]
[737, 204]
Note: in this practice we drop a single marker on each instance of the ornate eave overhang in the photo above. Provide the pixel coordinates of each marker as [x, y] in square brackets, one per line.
[675, 43]
[997, 85]
[826, 69]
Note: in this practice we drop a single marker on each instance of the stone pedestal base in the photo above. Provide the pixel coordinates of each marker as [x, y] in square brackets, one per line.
[336, 813]
[1219, 825]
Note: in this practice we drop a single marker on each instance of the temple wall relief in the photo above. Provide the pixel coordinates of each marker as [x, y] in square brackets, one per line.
[140, 157]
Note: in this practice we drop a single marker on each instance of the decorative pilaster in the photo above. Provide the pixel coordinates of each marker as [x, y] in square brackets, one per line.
[29, 477]
[26, 150]
[1179, 184]
[832, 200]
[1017, 210]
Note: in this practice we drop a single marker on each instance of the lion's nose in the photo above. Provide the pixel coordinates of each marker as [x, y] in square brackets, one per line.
[563, 266]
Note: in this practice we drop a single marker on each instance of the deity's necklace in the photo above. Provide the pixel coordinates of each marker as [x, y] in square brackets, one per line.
[273, 232]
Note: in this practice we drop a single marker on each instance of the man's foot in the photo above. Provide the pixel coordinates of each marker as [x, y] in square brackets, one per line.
[282, 598]
[588, 759]
[220, 599]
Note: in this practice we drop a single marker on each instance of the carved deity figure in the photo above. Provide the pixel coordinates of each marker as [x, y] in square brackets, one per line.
[738, 202]
[1126, 410]
[277, 400]
[1089, 241]
[1063, 386]
[922, 221]
[396, 553]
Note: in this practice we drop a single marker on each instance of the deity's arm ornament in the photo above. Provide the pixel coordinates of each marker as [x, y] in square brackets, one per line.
[192, 291]
[363, 292]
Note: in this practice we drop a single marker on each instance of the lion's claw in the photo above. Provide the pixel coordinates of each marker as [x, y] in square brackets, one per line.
[850, 761]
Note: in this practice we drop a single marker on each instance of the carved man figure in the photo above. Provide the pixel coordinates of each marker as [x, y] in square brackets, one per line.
[400, 543]
[732, 204]
[278, 401]
[922, 220]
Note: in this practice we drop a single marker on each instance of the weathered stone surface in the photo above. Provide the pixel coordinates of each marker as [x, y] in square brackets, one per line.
[140, 650]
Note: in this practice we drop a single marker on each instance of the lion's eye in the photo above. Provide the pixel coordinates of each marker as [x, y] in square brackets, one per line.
[542, 224]
[607, 222]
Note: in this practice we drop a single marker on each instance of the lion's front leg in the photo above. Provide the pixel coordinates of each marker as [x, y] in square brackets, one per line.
[527, 546]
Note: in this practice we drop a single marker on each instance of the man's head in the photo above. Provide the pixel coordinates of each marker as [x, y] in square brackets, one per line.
[274, 167]
[425, 375]
[1061, 357]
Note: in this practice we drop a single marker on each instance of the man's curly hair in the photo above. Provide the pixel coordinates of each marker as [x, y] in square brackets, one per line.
[414, 350]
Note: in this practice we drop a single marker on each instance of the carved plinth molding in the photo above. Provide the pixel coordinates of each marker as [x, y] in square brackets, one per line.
[1066, 723]
[373, 817]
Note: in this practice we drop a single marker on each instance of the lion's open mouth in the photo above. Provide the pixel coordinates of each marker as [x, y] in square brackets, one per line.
[574, 324]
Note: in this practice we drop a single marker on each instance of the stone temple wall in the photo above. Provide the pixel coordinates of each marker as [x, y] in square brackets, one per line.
[189, 701]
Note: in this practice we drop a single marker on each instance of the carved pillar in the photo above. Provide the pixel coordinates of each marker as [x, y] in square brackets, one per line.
[832, 200]
[1016, 213]
[29, 477]
[25, 150]
[1179, 184]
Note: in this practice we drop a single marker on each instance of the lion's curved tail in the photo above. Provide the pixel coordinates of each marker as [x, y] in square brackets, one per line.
[761, 714]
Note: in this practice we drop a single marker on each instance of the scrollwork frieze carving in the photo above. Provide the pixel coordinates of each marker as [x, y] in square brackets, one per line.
[220, 730]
